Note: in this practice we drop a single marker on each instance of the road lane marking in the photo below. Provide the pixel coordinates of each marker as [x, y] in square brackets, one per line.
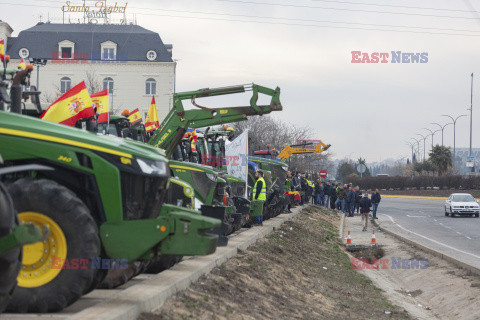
[416, 216]
[434, 241]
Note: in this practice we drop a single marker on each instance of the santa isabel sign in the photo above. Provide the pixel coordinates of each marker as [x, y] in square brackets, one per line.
[100, 7]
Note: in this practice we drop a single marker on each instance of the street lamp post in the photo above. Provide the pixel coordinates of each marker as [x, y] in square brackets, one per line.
[412, 145]
[38, 62]
[424, 139]
[418, 145]
[441, 127]
[454, 121]
[432, 133]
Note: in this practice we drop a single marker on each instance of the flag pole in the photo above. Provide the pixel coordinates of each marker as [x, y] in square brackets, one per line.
[109, 110]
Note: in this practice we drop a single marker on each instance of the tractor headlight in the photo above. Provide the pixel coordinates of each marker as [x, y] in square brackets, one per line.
[212, 177]
[152, 167]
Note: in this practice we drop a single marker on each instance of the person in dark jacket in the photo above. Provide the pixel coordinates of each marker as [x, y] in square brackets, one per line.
[326, 192]
[350, 201]
[358, 197]
[341, 196]
[365, 205]
[376, 198]
[333, 196]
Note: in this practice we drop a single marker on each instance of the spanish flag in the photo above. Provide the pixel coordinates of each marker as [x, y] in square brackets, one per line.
[135, 116]
[73, 105]
[22, 65]
[151, 123]
[2, 49]
[102, 103]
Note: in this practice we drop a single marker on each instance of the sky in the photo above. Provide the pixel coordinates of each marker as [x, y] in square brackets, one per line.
[368, 110]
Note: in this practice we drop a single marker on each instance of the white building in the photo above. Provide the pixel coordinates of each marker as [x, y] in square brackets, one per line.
[132, 62]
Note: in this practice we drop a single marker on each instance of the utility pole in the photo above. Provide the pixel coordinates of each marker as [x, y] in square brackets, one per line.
[471, 111]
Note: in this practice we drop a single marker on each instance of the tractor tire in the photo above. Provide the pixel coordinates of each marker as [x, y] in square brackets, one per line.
[117, 276]
[56, 272]
[97, 279]
[162, 262]
[11, 261]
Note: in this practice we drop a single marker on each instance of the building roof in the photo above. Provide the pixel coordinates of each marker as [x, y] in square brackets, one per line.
[132, 41]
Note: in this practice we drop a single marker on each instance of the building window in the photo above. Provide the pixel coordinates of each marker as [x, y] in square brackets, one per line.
[108, 54]
[108, 84]
[66, 49]
[65, 84]
[109, 50]
[150, 86]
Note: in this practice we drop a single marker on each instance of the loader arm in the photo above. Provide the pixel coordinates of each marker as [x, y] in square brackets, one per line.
[289, 150]
[178, 120]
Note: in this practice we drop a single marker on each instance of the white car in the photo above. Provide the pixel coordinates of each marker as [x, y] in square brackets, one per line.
[462, 204]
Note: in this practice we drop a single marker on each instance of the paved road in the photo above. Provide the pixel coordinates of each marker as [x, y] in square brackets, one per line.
[424, 221]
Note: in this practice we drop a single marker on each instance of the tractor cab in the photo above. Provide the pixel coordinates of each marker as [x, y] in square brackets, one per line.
[270, 153]
[120, 126]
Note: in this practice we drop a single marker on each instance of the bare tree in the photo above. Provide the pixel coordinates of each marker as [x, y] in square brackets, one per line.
[265, 130]
[92, 82]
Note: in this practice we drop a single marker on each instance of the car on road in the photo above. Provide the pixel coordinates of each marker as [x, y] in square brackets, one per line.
[463, 204]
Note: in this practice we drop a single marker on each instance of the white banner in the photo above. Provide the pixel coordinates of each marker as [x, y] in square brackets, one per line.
[236, 157]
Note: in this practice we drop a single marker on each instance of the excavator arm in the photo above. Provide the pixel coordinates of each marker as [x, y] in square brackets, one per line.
[289, 150]
[173, 127]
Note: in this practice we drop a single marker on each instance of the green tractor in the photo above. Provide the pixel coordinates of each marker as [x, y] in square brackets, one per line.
[102, 199]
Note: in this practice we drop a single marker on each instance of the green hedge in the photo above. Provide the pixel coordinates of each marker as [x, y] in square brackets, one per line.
[398, 182]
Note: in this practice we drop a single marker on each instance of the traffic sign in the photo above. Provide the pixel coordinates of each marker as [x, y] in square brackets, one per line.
[323, 173]
[361, 168]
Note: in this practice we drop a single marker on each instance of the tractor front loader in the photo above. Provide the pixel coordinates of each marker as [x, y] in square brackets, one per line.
[173, 128]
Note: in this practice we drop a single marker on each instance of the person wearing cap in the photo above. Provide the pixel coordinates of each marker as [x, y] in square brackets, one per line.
[260, 194]
[365, 205]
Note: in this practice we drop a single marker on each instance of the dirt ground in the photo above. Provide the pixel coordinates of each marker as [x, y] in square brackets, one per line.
[298, 272]
[429, 193]
[448, 291]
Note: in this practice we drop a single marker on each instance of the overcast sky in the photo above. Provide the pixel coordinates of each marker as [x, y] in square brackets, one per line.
[363, 110]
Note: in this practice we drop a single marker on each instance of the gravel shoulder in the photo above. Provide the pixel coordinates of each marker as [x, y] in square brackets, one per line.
[299, 272]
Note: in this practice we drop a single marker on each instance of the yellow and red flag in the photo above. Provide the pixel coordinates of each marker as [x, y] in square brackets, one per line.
[102, 103]
[151, 123]
[2, 49]
[22, 64]
[193, 141]
[73, 105]
[135, 116]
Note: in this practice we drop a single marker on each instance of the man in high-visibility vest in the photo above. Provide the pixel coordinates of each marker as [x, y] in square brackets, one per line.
[260, 194]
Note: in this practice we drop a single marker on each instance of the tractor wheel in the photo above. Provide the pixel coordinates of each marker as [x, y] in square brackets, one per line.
[11, 261]
[162, 262]
[56, 272]
[118, 276]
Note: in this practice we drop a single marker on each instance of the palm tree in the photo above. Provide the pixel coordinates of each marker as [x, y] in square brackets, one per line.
[441, 158]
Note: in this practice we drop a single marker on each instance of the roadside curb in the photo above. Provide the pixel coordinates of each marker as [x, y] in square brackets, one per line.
[416, 197]
[342, 226]
[151, 294]
[412, 197]
[434, 252]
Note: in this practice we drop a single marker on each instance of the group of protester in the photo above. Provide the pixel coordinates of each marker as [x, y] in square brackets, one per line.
[342, 197]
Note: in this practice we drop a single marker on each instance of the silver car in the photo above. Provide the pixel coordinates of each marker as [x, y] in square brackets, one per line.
[462, 204]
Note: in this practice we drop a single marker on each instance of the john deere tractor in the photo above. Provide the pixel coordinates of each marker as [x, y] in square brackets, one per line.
[103, 200]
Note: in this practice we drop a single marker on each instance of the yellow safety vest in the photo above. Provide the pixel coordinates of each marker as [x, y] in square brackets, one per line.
[310, 183]
[263, 192]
